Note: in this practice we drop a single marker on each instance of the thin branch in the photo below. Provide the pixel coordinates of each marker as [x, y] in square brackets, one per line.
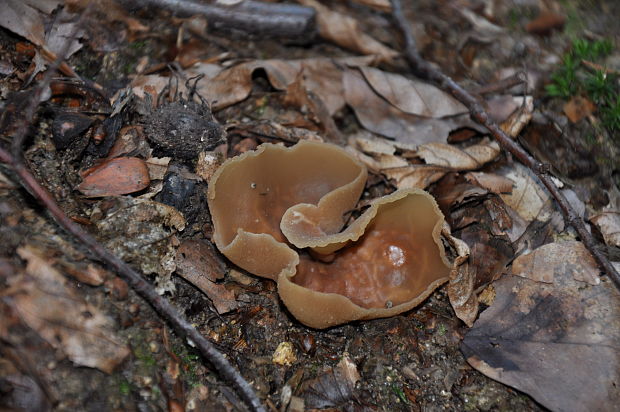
[425, 70]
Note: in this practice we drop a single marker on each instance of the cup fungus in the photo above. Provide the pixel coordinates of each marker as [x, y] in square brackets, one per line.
[279, 213]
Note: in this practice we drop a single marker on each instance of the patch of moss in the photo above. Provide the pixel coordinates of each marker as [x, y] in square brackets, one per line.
[190, 362]
[124, 387]
[574, 78]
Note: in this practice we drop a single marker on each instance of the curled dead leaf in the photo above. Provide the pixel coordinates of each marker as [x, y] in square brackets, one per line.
[461, 290]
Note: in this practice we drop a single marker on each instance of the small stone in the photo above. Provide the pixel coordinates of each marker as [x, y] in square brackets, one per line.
[284, 354]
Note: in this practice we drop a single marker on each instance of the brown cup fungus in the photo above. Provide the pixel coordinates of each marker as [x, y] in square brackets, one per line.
[279, 213]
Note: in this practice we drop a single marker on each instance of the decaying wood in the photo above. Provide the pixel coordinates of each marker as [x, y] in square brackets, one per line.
[423, 69]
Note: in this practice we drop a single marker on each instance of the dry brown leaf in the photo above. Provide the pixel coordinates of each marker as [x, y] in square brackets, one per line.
[544, 262]
[546, 22]
[412, 96]
[345, 31]
[490, 181]
[420, 176]
[461, 291]
[58, 313]
[555, 341]
[117, 176]
[470, 158]
[333, 387]
[322, 76]
[577, 108]
[609, 225]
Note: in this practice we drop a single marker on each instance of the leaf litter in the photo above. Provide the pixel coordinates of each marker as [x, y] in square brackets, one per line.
[401, 131]
[50, 305]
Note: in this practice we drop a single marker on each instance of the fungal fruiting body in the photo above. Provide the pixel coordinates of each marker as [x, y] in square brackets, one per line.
[280, 213]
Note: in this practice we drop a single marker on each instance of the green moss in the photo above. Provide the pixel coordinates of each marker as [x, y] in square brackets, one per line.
[124, 387]
[573, 78]
[138, 45]
[190, 364]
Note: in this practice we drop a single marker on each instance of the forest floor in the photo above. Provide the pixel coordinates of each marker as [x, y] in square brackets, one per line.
[75, 337]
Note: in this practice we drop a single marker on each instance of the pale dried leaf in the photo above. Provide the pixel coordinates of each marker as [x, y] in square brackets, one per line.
[20, 18]
[373, 145]
[45, 6]
[517, 121]
[58, 313]
[157, 166]
[368, 161]
[420, 176]
[609, 225]
[527, 197]
[412, 96]
[471, 158]
[387, 161]
[490, 181]
[346, 32]
[544, 262]
[322, 76]
[64, 30]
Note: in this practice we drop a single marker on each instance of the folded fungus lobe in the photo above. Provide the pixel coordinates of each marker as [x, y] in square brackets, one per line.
[280, 213]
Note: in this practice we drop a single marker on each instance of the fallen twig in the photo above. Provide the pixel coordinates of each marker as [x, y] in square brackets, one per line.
[165, 309]
[275, 19]
[425, 70]
[501, 85]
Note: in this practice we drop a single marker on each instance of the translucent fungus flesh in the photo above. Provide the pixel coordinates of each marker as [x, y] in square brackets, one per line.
[396, 258]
